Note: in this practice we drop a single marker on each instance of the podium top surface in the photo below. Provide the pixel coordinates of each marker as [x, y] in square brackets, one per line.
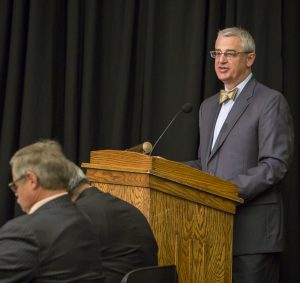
[127, 161]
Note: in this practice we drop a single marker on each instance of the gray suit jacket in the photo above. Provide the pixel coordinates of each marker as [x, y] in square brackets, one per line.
[253, 151]
[57, 243]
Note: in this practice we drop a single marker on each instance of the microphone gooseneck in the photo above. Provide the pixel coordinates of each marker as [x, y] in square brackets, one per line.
[186, 108]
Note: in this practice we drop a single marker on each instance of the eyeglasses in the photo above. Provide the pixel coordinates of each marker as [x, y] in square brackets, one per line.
[12, 185]
[228, 53]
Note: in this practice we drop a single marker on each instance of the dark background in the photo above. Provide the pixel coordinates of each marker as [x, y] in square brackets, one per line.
[111, 74]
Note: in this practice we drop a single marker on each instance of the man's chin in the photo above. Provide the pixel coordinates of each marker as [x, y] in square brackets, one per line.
[222, 77]
[22, 207]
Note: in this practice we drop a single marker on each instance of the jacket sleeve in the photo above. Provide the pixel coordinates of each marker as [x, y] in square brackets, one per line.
[275, 143]
[18, 253]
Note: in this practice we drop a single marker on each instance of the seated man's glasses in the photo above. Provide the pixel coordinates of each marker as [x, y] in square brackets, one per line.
[13, 186]
[228, 53]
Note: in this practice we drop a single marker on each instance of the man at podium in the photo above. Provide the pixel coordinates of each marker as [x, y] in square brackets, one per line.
[246, 137]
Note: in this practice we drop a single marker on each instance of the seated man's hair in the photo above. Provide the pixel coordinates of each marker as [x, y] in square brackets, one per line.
[45, 159]
[77, 177]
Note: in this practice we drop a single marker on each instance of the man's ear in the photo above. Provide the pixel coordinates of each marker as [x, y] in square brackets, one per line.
[33, 179]
[250, 59]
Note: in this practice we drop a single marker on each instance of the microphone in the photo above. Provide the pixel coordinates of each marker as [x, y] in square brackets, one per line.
[186, 108]
[145, 147]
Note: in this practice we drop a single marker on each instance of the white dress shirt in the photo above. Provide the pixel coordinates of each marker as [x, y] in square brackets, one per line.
[225, 109]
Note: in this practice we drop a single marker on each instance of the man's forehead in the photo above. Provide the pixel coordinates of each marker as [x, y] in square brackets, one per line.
[228, 42]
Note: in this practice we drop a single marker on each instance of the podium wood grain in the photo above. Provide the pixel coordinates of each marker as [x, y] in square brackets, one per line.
[190, 212]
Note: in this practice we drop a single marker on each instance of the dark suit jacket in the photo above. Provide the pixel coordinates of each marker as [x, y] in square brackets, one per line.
[126, 238]
[253, 151]
[57, 243]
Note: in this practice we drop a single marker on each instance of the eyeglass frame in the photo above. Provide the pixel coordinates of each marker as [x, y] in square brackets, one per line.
[12, 185]
[228, 53]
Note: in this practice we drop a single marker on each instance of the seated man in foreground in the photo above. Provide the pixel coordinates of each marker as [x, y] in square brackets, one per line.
[54, 241]
[126, 238]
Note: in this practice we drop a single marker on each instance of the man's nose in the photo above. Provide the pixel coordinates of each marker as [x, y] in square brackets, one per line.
[222, 58]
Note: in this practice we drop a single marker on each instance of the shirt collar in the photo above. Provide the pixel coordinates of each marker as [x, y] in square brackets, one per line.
[40, 203]
[242, 84]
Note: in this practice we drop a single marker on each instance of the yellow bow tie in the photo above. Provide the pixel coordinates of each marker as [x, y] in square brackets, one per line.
[225, 95]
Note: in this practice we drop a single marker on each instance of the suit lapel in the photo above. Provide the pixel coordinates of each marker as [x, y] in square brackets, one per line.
[234, 115]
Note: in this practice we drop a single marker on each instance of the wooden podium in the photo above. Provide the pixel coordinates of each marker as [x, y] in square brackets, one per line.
[190, 212]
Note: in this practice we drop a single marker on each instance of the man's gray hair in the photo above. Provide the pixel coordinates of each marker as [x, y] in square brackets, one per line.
[77, 177]
[45, 158]
[247, 39]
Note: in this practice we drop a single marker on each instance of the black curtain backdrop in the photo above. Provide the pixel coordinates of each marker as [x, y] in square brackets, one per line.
[111, 74]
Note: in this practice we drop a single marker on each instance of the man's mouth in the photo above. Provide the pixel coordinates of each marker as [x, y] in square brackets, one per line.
[223, 69]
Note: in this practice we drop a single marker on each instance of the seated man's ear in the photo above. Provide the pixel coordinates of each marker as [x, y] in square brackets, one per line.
[33, 179]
